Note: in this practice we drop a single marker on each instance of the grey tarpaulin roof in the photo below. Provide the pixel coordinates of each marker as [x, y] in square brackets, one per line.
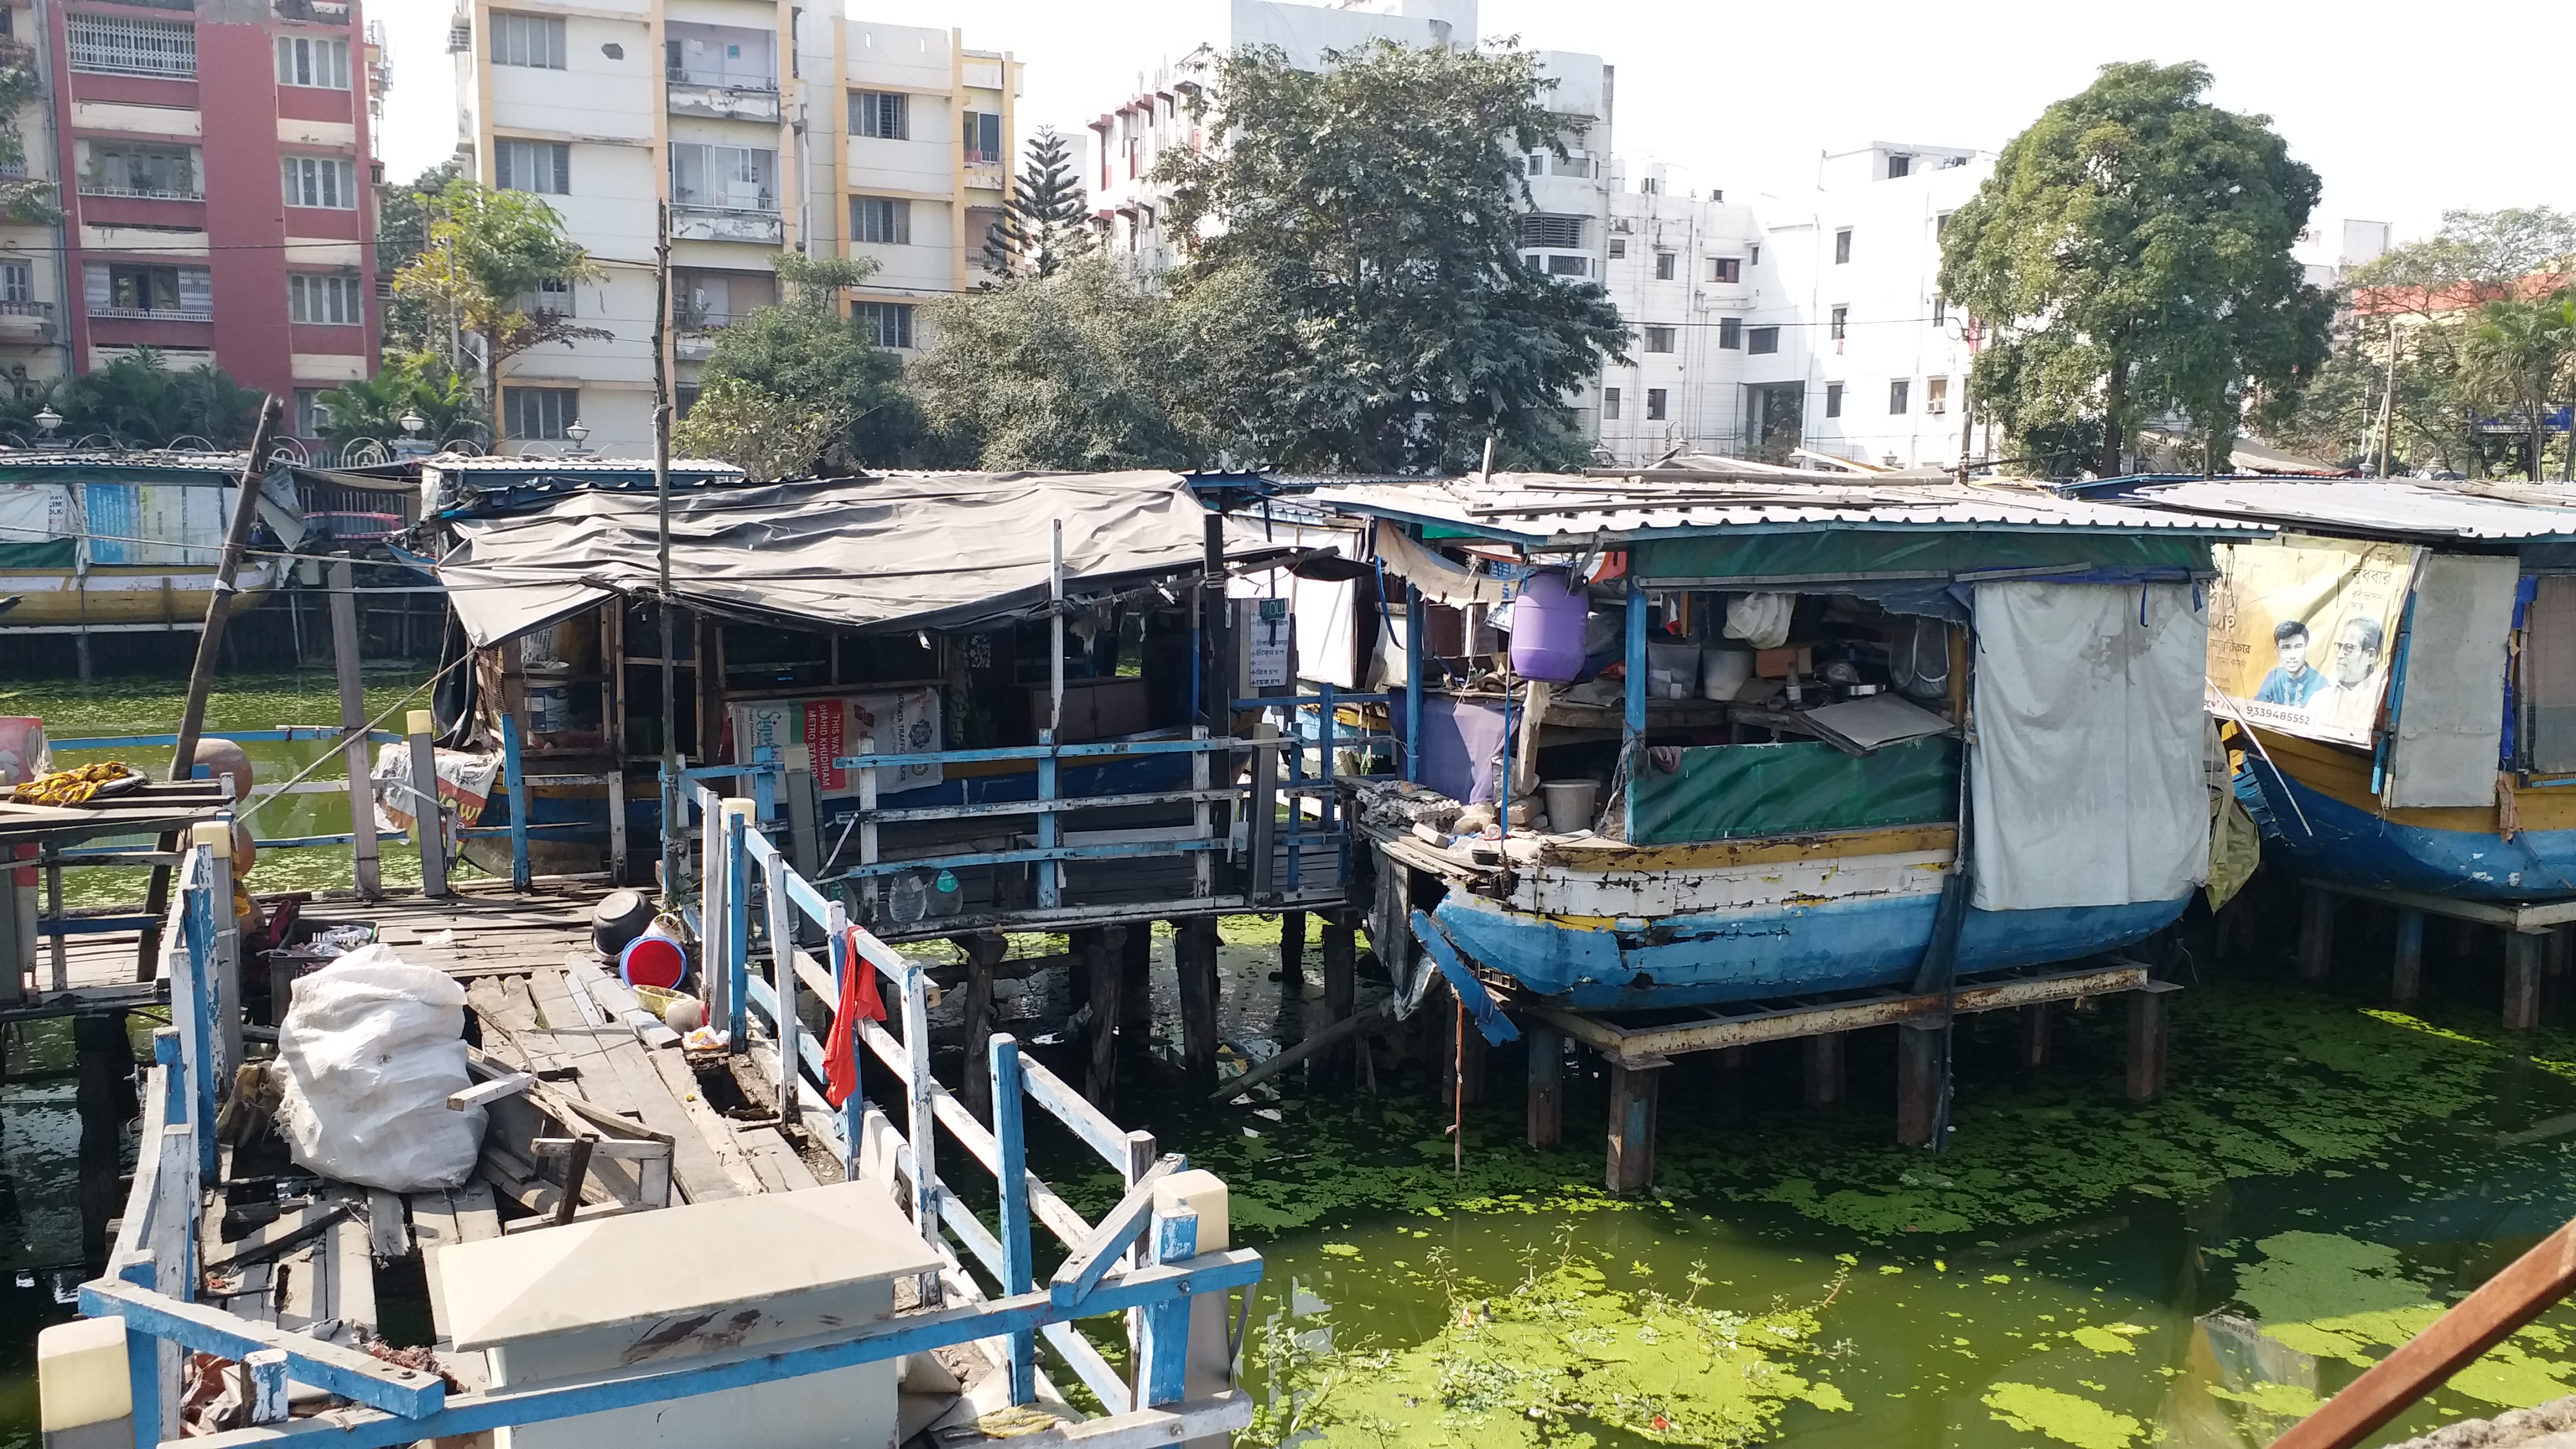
[912, 549]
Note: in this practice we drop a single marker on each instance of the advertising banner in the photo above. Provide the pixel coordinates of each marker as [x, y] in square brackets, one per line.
[810, 733]
[2300, 632]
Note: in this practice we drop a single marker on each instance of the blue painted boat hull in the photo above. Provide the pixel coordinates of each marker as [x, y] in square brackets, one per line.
[1742, 955]
[2323, 838]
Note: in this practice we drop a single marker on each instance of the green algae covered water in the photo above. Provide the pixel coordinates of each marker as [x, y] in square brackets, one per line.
[2324, 1176]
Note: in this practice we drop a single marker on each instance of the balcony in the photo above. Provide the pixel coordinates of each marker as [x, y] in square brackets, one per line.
[141, 193]
[693, 344]
[712, 223]
[148, 314]
[986, 173]
[26, 321]
[313, 12]
[743, 99]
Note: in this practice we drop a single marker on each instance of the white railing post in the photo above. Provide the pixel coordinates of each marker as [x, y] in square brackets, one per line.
[782, 962]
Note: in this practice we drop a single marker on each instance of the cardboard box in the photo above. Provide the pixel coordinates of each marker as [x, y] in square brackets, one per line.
[1785, 661]
[1094, 709]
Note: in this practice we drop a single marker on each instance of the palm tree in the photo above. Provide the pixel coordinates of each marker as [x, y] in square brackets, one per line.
[2518, 357]
[374, 407]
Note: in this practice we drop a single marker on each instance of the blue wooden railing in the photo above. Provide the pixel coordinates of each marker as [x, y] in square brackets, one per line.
[1137, 1257]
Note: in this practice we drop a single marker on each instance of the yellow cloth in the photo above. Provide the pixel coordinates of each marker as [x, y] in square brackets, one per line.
[2235, 847]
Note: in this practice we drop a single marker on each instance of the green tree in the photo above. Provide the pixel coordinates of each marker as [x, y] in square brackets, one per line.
[1374, 205]
[413, 383]
[764, 434]
[402, 230]
[487, 259]
[2518, 358]
[21, 85]
[2131, 254]
[1043, 223]
[136, 401]
[1086, 368]
[807, 351]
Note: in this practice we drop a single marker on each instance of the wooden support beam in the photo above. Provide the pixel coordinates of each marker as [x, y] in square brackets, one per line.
[2316, 933]
[1292, 948]
[2406, 974]
[2150, 1026]
[2036, 1019]
[1461, 1051]
[984, 950]
[1824, 1074]
[1546, 1074]
[2521, 980]
[1341, 990]
[1919, 1084]
[1101, 963]
[1633, 1089]
[1194, 945]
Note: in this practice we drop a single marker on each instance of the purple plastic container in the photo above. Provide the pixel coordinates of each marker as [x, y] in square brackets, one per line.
[1547, 628]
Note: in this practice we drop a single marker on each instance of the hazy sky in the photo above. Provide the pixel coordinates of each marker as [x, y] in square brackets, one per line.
[2403, 118]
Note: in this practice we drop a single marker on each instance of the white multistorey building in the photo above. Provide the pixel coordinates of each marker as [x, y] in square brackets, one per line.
[764, 127]
[1685, 269]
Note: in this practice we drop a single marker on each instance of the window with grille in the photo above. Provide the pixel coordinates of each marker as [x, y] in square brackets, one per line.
[1897, 391]
[884, 220]
[529, 40]
[1565, 266]
[890, 322]
[1936, 394]
[539, 413]
[328, 182]
[309, 60]
[125, 168]
[1609, 404]
[1618, 247]
[539, 166]
[1833, 399]
[111, 289]
[17, 282]
[884, 115]
[1762, 339]
[308, 412]
[1665, 266]
[1730, 332]
[1840, 324]
[1659, 339]
[727, 178]
[1726, 269]
[117, 45]
[323, 300]
[1940, 309]
[1842, 246]
[1656, 399]
[1561, 232]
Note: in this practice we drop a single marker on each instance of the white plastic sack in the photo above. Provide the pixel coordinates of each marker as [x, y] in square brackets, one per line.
[372, 1046]
[1761, 620]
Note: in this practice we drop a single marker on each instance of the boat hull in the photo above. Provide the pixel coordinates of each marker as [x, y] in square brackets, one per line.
[2320, 816]
[1817, 914]
[124, 596]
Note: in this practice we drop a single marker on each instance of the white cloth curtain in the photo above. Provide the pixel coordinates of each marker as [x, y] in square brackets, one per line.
[2086, 777]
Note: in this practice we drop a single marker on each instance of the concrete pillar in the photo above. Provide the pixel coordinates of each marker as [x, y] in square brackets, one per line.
[2316, 933]
[1919, 1046]
[2149, 1028]
[1633, 1089]
[2521, 980]
[2406, 973]
[1545, 1070]
[1824, 1075]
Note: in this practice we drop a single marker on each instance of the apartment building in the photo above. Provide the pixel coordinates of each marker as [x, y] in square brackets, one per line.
[213, 169]
[764, 127]
[35, 335]
[1686, 270]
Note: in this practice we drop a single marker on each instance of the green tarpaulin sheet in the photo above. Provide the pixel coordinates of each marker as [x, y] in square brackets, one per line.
[1725, 792]
[52, 553]
[1858, 552]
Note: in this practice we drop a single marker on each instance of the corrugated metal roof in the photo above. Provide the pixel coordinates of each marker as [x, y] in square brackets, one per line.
[1573, 510]
[482, 463]
[2498, 512]
[229, 465]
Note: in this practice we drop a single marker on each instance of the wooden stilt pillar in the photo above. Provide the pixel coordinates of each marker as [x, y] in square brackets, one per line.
[1824, 1073]
[1292, 948]
[2554, 951]
[1734, 1058]
[2406, 977]
[1918, 1081]
[2035, 1021]
[2316, 933]
[2150, 1024]
[2521, 980]
[1136, 986]
[1633, 1090]
[1462, 1066]
[1101, 962]
[984, 950]
[1077, 981]
[1332, 1068]
[1194, 958]
[1545, 1070]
